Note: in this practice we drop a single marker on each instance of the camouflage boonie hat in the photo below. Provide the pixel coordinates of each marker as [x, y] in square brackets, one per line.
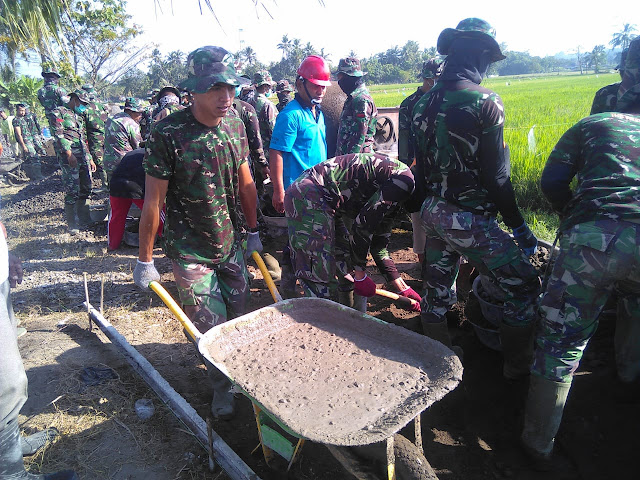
[283, 86]
[629, 90]
[134, 104]
[82, 95]
[475, 28]
[262, 77]
[207, 66]
[431, 68]
[87, 87]
[50, 70]
[350, 66]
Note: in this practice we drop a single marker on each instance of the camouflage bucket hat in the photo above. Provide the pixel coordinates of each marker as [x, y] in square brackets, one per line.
[82, 95]
[475, 28]
[50, 70]
[262, 77]
[629, 91]
[133, 104]
[207, 66]
[431, 68]
[283, 86]
[87, 87]
[350, 66]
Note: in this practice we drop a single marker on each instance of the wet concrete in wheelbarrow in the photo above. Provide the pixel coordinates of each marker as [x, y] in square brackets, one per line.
[331, 374]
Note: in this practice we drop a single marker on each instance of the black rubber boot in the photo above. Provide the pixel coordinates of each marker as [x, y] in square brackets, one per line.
[517, 350]
[84, 213]
[11, 464]
[345, 296]
[223, 406]
[70, 217]
[440, 332]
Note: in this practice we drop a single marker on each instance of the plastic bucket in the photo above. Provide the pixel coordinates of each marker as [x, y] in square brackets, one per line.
[491, 311]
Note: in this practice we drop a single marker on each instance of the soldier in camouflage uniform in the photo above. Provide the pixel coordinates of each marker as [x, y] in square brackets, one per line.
[76, 162]
[24, 137]
[266, 110]
[359, 114]
[249, 117]
[52, 96]
[122, 134]
[94, 117]
[283, 90]
[168, 102]
[599, 255]
[364, 187]
[197, 159]
[458, 130]
[36, 132]
[605, 99]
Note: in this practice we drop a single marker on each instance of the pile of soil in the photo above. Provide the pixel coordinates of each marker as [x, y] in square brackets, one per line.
[470, 434]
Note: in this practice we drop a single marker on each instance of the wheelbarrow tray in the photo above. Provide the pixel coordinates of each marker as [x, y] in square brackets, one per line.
[331, 374]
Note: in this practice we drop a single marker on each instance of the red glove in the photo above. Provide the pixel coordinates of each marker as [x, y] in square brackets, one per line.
[365, 287]
[413, 295]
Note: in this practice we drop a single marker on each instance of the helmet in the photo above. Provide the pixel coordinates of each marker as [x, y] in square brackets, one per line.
[315, 69]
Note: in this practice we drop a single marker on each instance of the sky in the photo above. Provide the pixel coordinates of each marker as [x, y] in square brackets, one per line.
[543, 27]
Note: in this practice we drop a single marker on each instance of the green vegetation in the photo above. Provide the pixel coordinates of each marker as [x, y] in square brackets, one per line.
[538, 110]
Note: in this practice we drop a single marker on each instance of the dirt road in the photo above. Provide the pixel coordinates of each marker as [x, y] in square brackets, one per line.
[470, 434]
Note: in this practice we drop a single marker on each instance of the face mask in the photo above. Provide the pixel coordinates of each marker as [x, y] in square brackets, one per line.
[80, 109]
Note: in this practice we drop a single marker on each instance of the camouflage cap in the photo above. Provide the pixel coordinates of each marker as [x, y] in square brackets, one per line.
[134, 104]
[475, 28]
[50, 70]
[629, 91]
[262, 77]
[283, 86]
[207, 66]
[431, 68]
[81, 94]
[350, 66]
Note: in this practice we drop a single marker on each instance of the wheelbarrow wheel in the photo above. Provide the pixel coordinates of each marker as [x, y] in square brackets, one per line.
[369, 462]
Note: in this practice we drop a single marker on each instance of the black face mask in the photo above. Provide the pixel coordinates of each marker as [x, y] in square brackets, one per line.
[348, 83]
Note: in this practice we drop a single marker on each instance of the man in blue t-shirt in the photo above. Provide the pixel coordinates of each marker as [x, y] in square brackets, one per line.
[298, 142]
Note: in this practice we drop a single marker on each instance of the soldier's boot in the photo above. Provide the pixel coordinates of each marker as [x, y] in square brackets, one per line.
[517, 350]
[440, 331]
[36, 172]
[345, 296]
[223, 406]
[543, 413]
[273, 266]
[70, 217]
[287, 283]
[84, 213]
[11, 463]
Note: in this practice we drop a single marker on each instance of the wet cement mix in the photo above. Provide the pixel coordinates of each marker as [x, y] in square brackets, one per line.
[333, 375]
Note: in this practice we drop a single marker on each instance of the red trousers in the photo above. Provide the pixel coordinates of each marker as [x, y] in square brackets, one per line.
[118, 216]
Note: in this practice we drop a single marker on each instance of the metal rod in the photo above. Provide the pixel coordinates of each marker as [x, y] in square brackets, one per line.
[102, 294]
[86, 297]
[224, 456]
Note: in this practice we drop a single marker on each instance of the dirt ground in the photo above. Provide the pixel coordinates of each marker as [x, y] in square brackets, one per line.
[470, 434]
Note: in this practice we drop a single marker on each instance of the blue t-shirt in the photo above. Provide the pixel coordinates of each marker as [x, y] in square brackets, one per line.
[301, 138]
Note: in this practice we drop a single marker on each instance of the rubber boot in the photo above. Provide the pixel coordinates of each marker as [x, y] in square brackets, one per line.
[70, 217]
[273, 267]
[36, 173]
[287, 283]
[360, 303]
[440, 332]
[223, 406]
[84, 213]
[345, 296]
[11, 464]
[543, 413]
[517, 350]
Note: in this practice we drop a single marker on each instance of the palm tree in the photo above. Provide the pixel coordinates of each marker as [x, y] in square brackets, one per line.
[624, 37]
[285, 46]
[249, 55]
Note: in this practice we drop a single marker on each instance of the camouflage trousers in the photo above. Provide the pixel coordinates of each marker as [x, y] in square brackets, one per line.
[38, 144]
[213, 294]
[318, 240]
[596, 259]
[30, 155]
[453, 233]
[76, 180]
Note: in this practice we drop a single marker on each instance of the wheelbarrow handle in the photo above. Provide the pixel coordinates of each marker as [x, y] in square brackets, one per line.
[267, 277]
[177, 311]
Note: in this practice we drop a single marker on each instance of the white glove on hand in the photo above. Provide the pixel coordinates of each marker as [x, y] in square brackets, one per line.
[253, 244]
[144, 274]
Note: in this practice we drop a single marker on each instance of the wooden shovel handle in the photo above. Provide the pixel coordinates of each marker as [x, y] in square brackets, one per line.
[404, 301]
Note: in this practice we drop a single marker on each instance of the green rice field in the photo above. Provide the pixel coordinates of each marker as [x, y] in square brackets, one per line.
[538, 110]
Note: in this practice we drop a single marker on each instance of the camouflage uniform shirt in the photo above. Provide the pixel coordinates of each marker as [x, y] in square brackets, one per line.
[249, 118]
[201, 164]
[603, 152]
[34, 124]
[122, 134]
[458, 131]
[406, 153]
[605, 99]
[70, 133]
[267, 113]
[94, 118]
[51, 96]
[357, 123]
[364, 187]
[25, 128]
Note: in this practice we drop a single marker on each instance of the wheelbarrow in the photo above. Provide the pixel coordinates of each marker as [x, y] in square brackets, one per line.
[323, 372]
